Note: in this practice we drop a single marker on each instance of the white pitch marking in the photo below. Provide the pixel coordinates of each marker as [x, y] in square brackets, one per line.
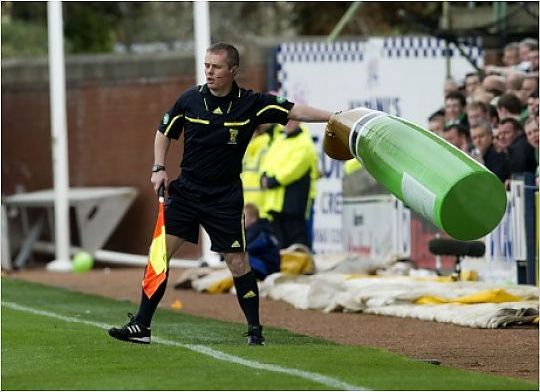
[205, 350]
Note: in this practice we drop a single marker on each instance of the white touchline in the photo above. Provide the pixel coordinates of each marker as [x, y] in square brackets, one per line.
[205, 350]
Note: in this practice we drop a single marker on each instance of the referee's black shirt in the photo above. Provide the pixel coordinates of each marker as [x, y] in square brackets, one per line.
[217, 130]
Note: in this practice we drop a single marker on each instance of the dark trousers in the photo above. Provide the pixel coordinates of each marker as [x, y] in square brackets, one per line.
[290, 229]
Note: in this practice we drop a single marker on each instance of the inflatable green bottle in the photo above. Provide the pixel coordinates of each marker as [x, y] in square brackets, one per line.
[428, 174]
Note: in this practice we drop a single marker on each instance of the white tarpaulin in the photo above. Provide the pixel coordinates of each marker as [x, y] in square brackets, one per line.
[402, 76]
[399, 295]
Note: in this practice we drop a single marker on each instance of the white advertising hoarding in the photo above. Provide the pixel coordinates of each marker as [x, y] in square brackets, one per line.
[376, 227]
[403, 76]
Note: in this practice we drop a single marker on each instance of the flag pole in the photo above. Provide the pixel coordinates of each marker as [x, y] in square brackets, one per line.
[57, 90]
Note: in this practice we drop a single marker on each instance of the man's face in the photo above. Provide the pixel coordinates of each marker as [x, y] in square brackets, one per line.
[436, 125]
[475, 116]
[532, 106]
[453, 137]
[481, 139]
[506, 134]
[528, 87]
[218, 74]
[510, 57]
[471, 83]
[531, 129]
[452, 109]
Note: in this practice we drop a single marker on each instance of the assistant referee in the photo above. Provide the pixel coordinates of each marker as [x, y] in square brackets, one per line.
[218, 120]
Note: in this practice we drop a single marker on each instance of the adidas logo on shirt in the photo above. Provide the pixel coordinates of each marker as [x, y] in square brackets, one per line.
[249, 294]
[236, 244]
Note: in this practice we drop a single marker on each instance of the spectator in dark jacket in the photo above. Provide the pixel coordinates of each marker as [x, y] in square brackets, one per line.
[496, 162]
[458, 135]
[520, 152]
[262, 244]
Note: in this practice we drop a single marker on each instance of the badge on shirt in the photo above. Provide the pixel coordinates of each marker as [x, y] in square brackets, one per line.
[166, 119]
[233, 134]
[280, 99]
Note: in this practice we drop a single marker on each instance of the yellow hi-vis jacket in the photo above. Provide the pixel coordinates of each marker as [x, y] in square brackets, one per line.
[251, 164]
[277, 131]
[289, 161]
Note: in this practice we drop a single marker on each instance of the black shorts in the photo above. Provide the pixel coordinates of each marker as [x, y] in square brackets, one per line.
[219, 209]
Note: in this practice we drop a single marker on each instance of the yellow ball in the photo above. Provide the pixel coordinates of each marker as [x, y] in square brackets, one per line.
[82, 262]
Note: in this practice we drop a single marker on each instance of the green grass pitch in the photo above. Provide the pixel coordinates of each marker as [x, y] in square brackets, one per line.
[55, 339]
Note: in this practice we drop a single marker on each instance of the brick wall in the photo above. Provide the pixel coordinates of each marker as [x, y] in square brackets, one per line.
[114, 105]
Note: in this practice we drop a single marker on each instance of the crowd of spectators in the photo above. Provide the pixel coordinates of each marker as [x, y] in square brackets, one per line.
[493, 114]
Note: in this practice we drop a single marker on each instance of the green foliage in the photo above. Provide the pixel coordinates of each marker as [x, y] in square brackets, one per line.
[95, 27]
[319, 20]
[89, 27]
[22, 39]
[27, 11]
[50, 353]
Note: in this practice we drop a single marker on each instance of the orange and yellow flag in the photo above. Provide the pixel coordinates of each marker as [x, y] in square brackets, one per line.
[156, 269]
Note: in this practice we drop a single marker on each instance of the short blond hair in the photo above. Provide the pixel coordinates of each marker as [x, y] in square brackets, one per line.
[233, 57]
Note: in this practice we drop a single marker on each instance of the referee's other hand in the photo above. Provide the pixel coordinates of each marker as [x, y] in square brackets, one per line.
[159, 178]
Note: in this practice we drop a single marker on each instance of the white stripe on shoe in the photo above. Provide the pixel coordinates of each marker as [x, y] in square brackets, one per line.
[205, 350]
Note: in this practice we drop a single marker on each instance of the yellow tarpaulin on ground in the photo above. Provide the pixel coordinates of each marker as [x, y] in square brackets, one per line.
[466, 303]
[221, 285]
[488, 296]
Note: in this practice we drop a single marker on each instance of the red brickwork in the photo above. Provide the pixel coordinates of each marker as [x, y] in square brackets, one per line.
[111, 128]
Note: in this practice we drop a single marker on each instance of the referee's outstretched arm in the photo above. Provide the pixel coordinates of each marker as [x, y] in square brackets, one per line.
[305, 113]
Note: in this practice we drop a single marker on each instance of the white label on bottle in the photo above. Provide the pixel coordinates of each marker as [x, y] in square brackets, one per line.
[418, 197]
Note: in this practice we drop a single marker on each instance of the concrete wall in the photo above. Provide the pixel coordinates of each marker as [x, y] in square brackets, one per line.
[114, 105]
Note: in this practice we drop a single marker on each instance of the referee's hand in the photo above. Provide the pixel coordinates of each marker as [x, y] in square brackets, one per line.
[159, 178]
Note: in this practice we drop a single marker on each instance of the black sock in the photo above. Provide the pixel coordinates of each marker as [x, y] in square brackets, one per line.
[247, 292]
[149, 305]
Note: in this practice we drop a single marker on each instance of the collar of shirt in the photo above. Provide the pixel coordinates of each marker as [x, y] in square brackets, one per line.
[219, 105]
[233, 94]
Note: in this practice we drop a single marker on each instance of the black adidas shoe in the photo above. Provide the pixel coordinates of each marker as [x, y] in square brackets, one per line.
[254, 335]
[132, 332]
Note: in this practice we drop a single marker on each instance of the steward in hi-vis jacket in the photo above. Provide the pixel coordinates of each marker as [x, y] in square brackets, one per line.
[286, 176]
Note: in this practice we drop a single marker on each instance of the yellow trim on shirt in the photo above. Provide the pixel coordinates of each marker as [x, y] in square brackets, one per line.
[170, 125]
[237, 123]
[197, 120]
[243, 233]
[268, 107]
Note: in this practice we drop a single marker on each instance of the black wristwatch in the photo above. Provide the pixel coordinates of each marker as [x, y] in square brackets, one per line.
[157, 168]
